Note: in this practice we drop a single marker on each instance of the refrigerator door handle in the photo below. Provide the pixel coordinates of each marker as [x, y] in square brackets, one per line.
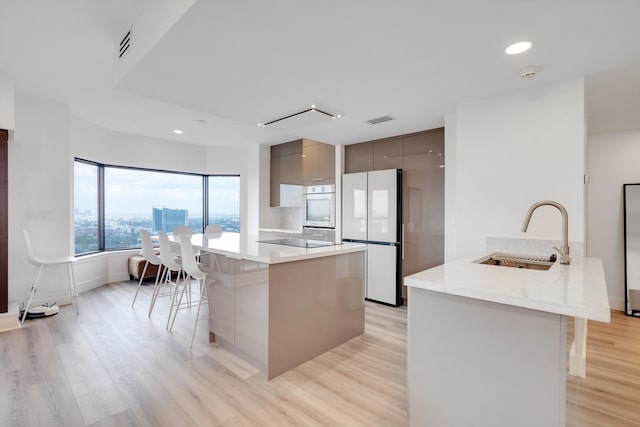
[402, 242]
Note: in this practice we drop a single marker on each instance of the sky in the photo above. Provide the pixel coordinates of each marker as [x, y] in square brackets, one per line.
[129, 191]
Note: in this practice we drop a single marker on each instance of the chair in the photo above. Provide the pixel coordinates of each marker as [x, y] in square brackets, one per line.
[213, 230]
[40, 263]
[182, 229]
[171, 264]
[150, 256]
[198, 272]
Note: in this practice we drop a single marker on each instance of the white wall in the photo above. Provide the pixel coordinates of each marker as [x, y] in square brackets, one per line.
[510, 152]
[40, 183]
[613, 161]
[94, 143]
[241, 161]
[7, 107]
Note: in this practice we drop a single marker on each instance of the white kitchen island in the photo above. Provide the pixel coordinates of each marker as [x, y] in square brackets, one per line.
[278, 306]
[487, 345]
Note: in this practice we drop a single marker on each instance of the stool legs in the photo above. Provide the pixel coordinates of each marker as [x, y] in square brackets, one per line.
[203, 295]
[34, 283]
[144, 271]
[71, 279]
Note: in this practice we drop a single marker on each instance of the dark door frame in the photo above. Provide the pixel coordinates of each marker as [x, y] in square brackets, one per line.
[4, 221]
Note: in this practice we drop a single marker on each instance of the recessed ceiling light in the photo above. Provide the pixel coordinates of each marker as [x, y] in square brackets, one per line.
[178, 131]
[518, 48]
[260, 124]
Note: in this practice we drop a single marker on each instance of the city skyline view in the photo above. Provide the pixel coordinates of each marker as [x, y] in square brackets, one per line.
[132, 195]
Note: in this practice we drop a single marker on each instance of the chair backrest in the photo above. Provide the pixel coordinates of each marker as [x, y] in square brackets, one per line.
[189, 260]
[166, 254]
[182, 229]
[213, 230]
[30, 256]
[148, 251]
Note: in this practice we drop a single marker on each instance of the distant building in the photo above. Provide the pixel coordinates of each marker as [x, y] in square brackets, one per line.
[164, 219]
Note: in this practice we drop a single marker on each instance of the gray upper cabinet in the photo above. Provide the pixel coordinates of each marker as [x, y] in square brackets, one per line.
[286, 174]
[387, 154]
[318, 163]
[359, 157]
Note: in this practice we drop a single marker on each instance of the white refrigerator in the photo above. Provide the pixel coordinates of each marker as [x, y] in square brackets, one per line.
[372, 214]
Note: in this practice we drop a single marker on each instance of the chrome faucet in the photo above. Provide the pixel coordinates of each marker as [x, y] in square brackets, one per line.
[564, 249]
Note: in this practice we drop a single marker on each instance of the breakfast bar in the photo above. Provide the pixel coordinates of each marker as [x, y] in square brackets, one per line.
[487, 344]
[278, 306]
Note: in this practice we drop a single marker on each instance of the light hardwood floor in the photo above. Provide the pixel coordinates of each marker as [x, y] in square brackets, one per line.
[113, 366]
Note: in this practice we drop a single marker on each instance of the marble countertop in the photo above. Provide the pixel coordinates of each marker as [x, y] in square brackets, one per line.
[577, 290]
[245, 246]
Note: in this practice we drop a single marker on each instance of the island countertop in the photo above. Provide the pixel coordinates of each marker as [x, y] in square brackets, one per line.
[246, 246]
[576, 290]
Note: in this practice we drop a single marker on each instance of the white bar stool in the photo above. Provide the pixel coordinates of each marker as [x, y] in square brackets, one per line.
[40, 263]
[198, 272]
[149, 254]
[171, 263]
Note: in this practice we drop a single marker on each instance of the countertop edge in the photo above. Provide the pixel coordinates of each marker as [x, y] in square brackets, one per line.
[591, 267]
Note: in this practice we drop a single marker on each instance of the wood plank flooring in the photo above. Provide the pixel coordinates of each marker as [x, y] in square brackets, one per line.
[114, 366]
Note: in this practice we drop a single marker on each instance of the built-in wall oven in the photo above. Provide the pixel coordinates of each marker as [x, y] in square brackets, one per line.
[320, 206]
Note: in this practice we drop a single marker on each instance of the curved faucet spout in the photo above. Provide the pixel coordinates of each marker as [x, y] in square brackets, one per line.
[564, 249]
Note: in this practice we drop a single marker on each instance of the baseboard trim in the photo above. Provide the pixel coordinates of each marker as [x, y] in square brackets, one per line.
[9, 321]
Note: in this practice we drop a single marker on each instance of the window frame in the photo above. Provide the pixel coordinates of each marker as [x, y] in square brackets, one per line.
[101, 198]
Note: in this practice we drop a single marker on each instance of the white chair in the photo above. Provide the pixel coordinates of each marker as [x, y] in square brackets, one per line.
[182, 229]
[198, 272]
[150, 256]
[40, 263]
[171, 264]
[213, 230]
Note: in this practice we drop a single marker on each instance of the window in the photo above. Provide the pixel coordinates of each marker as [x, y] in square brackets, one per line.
[85, 196]
[131, 199]
[224, 202]
[157, 201]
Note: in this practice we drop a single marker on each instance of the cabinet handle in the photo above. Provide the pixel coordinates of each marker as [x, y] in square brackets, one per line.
[317, 179]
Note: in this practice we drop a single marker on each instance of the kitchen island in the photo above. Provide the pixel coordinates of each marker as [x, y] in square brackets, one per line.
[278, 306]
[487, 345]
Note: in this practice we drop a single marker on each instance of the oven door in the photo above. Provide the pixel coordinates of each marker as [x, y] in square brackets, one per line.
[320, 210]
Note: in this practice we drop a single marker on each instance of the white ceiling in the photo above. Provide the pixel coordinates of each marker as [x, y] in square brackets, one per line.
[236, 63]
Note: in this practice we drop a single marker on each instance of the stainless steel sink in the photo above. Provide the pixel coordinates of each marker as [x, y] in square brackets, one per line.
[517, 261]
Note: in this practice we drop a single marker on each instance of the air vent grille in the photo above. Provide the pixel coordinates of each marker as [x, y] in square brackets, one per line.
[124, 44]
[379, 120]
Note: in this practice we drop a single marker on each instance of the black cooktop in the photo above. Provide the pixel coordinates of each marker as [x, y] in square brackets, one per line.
[299, 243]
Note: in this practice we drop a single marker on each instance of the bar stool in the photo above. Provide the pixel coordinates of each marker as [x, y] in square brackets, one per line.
[40, 263]
[198, 272]
[150, 256]
[171, 264]
[213, 230]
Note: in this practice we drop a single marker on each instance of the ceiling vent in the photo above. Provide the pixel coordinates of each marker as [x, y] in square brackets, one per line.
[302, 119]
[124, 44]
[379, 120]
